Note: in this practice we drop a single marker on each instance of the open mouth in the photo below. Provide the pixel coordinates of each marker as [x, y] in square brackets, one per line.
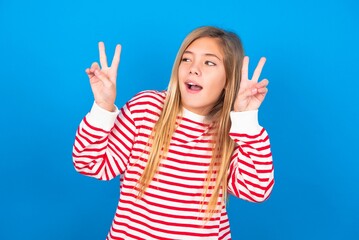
[193, 87]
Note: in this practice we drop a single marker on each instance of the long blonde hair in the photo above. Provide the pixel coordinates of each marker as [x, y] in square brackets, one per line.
[223, 146]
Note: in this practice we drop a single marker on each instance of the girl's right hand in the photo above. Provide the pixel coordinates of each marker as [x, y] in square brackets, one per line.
[103, 79]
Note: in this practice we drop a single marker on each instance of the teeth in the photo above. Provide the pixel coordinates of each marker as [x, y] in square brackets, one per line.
[193, 86]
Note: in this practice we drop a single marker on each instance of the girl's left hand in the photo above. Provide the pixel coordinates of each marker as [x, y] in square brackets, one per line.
[251, 92]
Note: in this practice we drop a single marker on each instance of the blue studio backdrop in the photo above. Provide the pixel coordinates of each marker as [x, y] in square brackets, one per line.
[311, 111]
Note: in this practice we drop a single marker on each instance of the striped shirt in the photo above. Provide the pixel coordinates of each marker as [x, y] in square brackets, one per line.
[110, 144]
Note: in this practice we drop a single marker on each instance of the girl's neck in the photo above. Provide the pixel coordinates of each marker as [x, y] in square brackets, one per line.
[193, 116]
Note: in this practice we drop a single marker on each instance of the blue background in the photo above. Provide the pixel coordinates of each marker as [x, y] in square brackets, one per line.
[310, 112]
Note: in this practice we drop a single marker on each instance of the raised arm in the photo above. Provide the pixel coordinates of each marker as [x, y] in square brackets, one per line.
[251, 173]
[105, 136]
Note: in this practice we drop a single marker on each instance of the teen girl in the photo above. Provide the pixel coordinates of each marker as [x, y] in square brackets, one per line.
[180, 152]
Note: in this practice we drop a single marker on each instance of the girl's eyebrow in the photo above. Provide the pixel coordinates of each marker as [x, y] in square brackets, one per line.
[206, 54]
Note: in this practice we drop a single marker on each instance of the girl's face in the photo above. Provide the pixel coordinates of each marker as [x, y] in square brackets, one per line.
[201, 75]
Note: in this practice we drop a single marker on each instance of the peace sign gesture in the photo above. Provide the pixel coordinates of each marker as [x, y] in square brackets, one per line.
[103, 79]
[251, 92]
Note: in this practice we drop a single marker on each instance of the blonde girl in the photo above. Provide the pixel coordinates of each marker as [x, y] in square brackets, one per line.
[180, 152]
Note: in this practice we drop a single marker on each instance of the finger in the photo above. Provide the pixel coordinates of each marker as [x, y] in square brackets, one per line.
[116, 57]
[89, 73]
[262, 94]
[94, 66]
[102, 52]
[255, 90]
[100, 75]
[245, 68]
[250, 92]
[262, 86]
[262, 90]
[258, 70]
[263, 83]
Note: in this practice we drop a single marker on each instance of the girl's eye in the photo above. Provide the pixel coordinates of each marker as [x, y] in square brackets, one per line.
[209, 63]
[185, 59]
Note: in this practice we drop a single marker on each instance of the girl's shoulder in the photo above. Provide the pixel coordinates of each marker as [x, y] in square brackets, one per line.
[157, 95]
[148, 100]
[150, 96]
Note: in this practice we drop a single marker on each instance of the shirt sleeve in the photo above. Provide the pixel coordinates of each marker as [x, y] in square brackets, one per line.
[251, 172]
[103, 142]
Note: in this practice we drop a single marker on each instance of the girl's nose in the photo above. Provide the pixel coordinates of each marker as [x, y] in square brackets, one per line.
[194, 70]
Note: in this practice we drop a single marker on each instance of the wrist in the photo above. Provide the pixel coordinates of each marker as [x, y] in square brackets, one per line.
[243, 109]
[107, 107]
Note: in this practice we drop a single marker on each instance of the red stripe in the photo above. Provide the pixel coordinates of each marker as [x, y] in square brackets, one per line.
[109, 166]
[190, 154]
[120, 159]
[121, 144]
[99, 139]
[182, 169]
[186, 135]
[238, 135]
[196, 179]
[252, 175]
[153, 220]
[194, 128]
[102, 163]
[145, 120]
[191, 147]
[267, 155]
[86, 156]
[270, 185]
[232, 183]
[196, 123]
[189, 214]
[139, 223]
[263, 163]
[247, 145]
[256, 141]
[91, 150]
[144, 111]
[91, 135]
[147, 103]
[156, 96]
[124, 233]
[226, 231]
[118, 224]
[264, 140]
